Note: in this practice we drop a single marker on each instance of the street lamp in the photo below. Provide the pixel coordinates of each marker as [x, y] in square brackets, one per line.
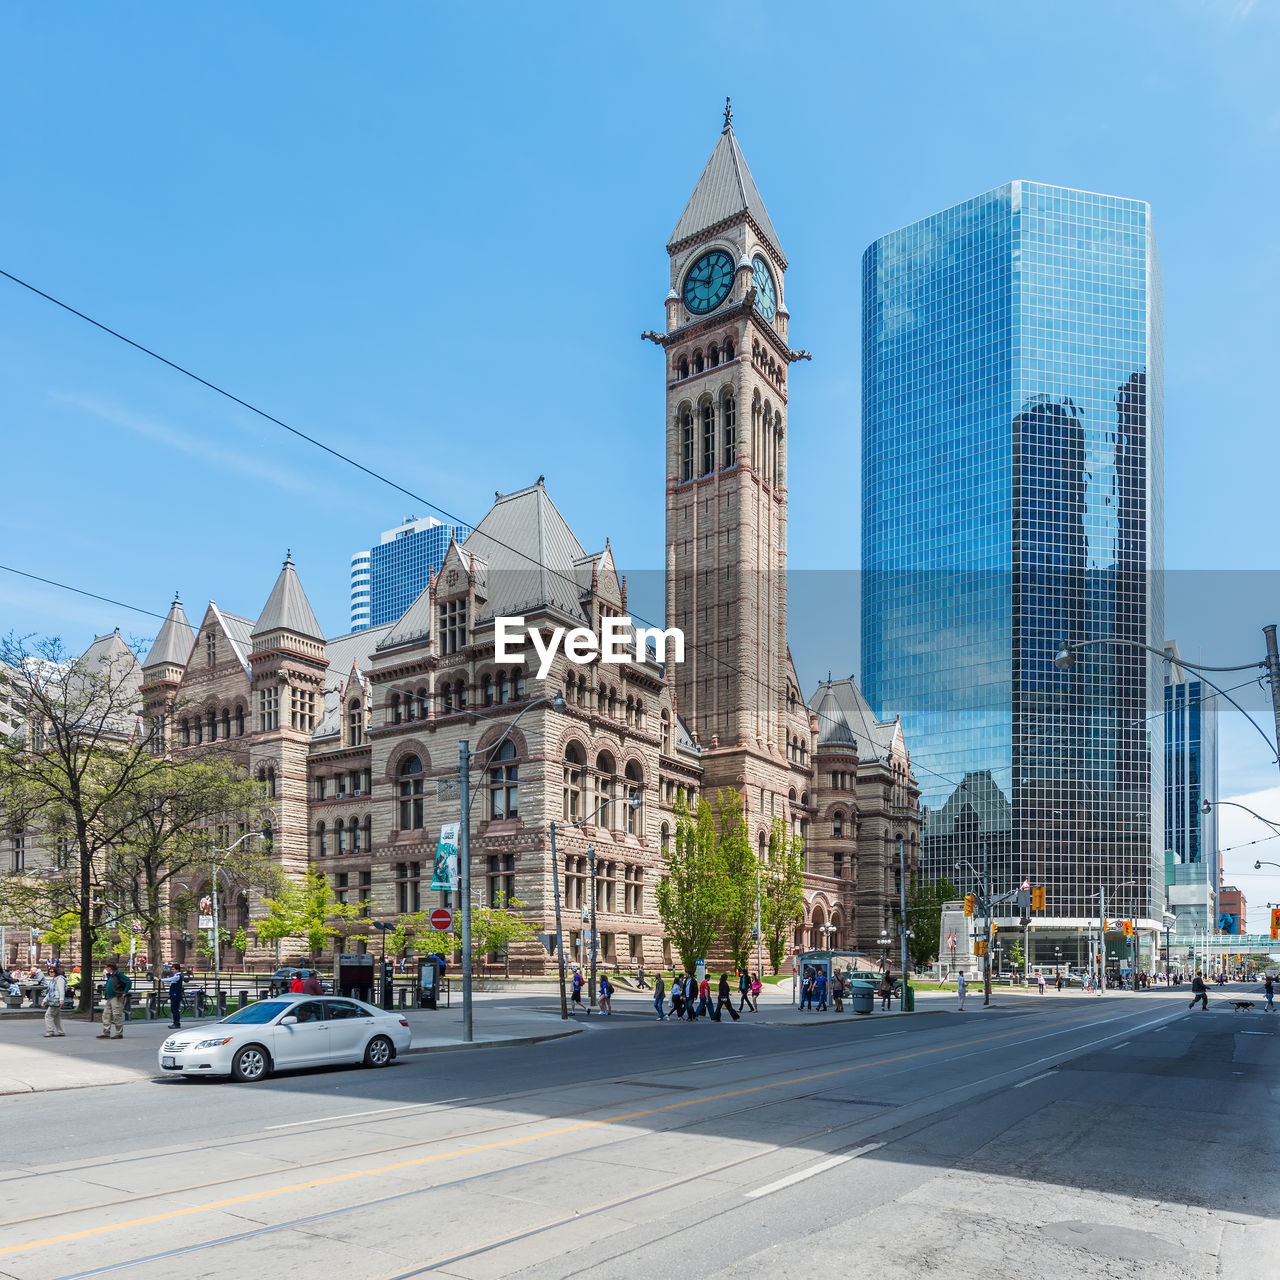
[384, 927]
[557, 703]
[1207, 807]
[1257, 866]
[217, 936]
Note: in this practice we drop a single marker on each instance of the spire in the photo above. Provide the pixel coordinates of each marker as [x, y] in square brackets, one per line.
[288, 608]
[726, 190]
[176, 639]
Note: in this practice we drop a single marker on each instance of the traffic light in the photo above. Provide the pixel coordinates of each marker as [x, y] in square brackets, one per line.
[979, 948]
[993, 928]
[1037, 898]
[1128, 928]
[1275, 924]
[968, 905]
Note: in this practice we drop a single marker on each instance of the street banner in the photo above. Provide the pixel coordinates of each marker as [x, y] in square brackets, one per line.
[445, 873]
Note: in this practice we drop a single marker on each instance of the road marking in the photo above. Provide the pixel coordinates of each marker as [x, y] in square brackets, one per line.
[1023, 1083]
[501, 1144]
[348, 1115]
[702, 1062]
[812, 1171]
[1122, 1044]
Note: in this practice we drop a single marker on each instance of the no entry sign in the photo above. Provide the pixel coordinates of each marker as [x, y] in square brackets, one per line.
[441, 919]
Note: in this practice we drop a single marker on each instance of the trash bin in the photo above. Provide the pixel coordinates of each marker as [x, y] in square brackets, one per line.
[909, 998]
[864, 997]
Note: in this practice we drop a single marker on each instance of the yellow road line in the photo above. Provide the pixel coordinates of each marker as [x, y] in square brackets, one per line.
[212, 1205]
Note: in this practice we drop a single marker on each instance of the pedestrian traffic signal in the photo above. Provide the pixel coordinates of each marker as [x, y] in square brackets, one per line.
[1037, 898]
[1128, 928]
[968, 904]
[1275, 924]
[979, 948]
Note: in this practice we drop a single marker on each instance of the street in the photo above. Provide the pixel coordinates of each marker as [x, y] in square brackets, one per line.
[1044, 1136]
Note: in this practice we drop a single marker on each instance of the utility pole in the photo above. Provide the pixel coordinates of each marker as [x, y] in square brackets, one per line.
[759, 936]
[1273, 676]
[555, 883]
[464, 881]
[591, 862]
[986, 915]
[902, 907]
[1102, 940]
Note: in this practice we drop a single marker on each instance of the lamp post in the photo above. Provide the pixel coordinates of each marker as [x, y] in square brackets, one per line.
[902, 924]
[217, 937]
[383, 927]
[1207, 807]
[983, 882]
[557, 703]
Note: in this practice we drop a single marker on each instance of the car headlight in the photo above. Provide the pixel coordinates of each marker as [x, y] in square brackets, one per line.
[212, 1044]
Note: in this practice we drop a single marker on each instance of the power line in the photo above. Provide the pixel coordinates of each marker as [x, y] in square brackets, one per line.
[92, 595]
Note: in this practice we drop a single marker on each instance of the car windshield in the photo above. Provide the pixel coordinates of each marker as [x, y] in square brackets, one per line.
[263, 1011]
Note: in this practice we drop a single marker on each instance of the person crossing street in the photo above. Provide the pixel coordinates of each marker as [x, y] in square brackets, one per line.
[1199, 992]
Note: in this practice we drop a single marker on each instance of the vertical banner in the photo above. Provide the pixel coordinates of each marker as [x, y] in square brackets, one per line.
[445, 873]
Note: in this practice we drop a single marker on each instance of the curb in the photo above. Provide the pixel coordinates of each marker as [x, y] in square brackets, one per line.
[509, 1042]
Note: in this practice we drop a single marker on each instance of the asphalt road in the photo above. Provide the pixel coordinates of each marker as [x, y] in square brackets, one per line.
[1087, 1137]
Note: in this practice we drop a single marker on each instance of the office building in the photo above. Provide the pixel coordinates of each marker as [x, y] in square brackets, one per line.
[1012, 498]
[389, 577]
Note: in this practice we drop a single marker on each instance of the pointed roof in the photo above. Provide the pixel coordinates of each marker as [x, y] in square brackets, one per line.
[725, 190]
[172, 647]
[872, 738]
[833, 726]
[288, 608]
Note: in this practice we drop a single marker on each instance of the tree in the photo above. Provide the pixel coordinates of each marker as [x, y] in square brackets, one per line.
[925, 900]
[781, 891]
[738, 867]
[498, 927]
[307, 909]
[84, 751]
[691, 892]
[167, 839]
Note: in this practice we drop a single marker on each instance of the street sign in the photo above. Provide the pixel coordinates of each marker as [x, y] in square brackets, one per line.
[206, 922]
[441, 919]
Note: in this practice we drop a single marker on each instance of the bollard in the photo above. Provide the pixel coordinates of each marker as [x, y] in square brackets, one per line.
[404, 998]
[244, 998]
[222, 1004]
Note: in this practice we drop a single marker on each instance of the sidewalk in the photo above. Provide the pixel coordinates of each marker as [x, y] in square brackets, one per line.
[31, 1064]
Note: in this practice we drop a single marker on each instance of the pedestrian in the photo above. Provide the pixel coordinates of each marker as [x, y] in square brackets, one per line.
[677, 997]
[659, 995]
[886, 990]
[691, 997]
[744, 990]
[820, 989]
[114, 991]
[605, 995]
[641, 984]
[1270, 988]
[1040, 982]
[1058, 980]
[704, 997]
[806, 989]
[755, 993]
[55, 992]
[295, 987]
[175, 997]
[837, 991]
[1199, 992]
[724, 1000]
[961, 987]
[577, 992]
[311, 985]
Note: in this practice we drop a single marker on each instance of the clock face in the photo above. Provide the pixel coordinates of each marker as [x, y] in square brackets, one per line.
[766, 291]
[708, 283]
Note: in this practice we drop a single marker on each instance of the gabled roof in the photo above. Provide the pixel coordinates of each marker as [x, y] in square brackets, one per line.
[288, 608]
[111, 660]
[685, 744]
[414, 624]
[873, 739]
[353, 650]
[725, 190]
[530, 555]
[238, 630]
[172, 647]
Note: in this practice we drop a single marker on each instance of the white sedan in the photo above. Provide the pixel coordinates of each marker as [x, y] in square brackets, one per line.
[285, 1032]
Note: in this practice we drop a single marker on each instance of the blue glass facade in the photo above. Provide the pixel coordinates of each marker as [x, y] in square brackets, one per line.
[1012, 477]
[1191, 778]
[399, 566]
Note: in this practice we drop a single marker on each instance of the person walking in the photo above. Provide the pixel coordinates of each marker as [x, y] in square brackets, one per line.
[641, 984]
[311, 985]
[691, 997]
[724, 999]
[820, 989]
[677, 997]
[605, 995]
[886, 991]
[806, 989]
[577, 992]
[1199, 992]
[754, 990]
[704, 997]
[1059, 980]
[55, 992]
[961, 987]
[837, 991]
[659, 995]
[1040, 982]
[1269, 988]
[295, 987]
[114, 991]
[175, 997]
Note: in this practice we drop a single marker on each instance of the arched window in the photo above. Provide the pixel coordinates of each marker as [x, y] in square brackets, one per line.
[500, 693]
[268, 838]
[729, 436]
[666, 734]
[686, 444]
[368, 832]
[605, 789]
[728, 348]
[837, 825]
[713, 355]
[354, 827]
[698, 365]
[517, 685]
[355, 722]
[340, 831]
[582, 691]
[396, 714]
[186, 732]
[322, 840]
[446, 699]
[635, 791]
[708, 438]
[573, 763]
[664, 837]
[267, 777]
[211, 720]
[504, 780]
[411, 794]
[239, 722]
[486, 690]
[460, 695]
[226, 722]
[682, 367]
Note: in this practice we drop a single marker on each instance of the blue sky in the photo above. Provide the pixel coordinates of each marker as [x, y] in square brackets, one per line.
[431, 236]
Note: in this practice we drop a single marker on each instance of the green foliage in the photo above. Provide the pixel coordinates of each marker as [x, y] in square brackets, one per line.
[1015, 955]
[781, 891]
[204, 942]
[738, 869]
[241, 942]
[307, 910]
[925, 899]
[691, 893]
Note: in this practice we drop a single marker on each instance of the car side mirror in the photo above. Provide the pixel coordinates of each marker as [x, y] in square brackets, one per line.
[288, 1020]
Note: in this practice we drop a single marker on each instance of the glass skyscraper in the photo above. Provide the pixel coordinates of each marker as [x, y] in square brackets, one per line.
[1012, 498]
[389, 577]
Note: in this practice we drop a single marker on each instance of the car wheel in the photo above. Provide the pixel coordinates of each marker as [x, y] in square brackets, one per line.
[250, 1064]
[379, 1052]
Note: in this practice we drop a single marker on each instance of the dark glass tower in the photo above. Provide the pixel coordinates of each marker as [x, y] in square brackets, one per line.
[1012, 477]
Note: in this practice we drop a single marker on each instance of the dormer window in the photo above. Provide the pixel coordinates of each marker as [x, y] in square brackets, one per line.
[355, 722]
[453, 626]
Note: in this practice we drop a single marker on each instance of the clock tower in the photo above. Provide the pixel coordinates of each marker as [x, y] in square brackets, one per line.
[727, 364]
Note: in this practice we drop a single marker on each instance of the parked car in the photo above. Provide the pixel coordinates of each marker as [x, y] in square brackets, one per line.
[283, 978]
[282, 1033]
